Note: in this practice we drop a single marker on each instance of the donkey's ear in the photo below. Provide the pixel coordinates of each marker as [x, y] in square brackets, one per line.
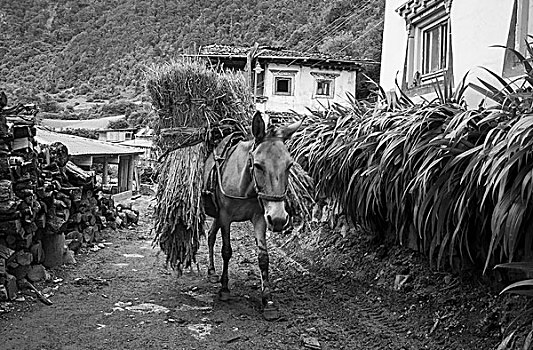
[258, 126]
[287, 131]
[3, 100]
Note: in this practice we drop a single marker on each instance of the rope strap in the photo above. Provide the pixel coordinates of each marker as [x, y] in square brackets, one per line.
[271, 197]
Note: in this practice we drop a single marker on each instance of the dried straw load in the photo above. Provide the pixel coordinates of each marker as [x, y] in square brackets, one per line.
[197, 106]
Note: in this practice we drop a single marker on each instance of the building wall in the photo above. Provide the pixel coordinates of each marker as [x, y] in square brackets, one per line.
[114, 136]
[304, 86]
[476, 25]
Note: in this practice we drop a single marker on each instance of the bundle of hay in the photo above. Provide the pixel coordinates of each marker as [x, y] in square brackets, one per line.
[196, 103]
[197, 106]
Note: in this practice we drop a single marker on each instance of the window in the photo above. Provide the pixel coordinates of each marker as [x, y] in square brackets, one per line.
[324, 84]
[435, 48]
[524, 24]
[283, 81]
[324, 88]
[283, 86]
[428, 46]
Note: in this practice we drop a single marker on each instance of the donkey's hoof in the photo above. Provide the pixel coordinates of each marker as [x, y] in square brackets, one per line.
[224, 295]
[270, 313]
[214, 278]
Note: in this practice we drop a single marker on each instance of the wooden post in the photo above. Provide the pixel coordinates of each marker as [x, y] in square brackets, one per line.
[120, 173]
[130, 172]
[105, 171]
[124, 173]
[136, 174]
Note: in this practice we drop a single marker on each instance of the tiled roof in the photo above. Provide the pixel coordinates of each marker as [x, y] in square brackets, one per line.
[274, 52]
[81, 146]
[92, 124]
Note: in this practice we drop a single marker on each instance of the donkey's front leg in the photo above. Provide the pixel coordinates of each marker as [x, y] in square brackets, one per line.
[270, 311]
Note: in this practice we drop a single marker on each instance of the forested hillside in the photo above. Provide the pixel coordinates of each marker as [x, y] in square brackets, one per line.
[102, 45]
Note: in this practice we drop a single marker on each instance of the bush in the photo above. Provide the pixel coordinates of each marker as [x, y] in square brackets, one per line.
[118, 108]
[119, 124]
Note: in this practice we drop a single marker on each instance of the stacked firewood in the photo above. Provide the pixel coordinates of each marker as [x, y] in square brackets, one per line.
[19, 174]
[44, 199]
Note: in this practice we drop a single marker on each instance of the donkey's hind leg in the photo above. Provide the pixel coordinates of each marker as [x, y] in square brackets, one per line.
[211, 238]
[226, 256]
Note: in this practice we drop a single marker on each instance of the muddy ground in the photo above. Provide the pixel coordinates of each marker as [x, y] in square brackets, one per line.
[336, 290]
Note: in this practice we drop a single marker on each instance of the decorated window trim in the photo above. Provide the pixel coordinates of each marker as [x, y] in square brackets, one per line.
[324, 84]
[521, 21]
[283, 75]
[428, 47]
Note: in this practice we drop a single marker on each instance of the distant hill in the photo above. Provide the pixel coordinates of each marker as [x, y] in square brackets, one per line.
[100, 47]
[91, 124]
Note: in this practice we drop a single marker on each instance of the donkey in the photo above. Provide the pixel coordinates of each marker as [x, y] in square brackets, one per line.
[251, 184]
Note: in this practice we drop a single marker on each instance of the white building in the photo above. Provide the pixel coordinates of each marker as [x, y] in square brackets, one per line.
[286, 80]
[427, 40]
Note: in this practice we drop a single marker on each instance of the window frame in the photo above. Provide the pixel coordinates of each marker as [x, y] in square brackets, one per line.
[512, 67]
[523, 19]
[442, 26]
[321, 76]
[331, 91]
[420, 21]
[290, 87]
[283, 74]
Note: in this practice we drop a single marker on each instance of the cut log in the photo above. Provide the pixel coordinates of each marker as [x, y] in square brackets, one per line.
[12, 227]
[37, 252]
[19, 271]
[36, 273]
[6, 190]
[11, 286]
[74, 245]
[74, 234]
[68, 257]
[88, 234]
[8, 207]
[73, 192]
[24, 184]
[131, 215]
[22, 144]
[5, 252]
[77, 175]
[75, 217]
[21, 131]
[40, 220]
[24, 243]
[54, 223]
[54, 248]
[23, 258]
[58, 154]
[5, 171]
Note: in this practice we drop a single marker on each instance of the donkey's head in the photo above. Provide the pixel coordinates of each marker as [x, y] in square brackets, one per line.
[271, 163]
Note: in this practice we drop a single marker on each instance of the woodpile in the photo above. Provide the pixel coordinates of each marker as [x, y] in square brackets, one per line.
[49, 207]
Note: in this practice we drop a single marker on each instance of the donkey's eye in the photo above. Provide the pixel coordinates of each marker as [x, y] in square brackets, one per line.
[259, 167]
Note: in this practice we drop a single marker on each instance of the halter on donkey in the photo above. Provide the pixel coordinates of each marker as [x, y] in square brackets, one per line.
[251, 183]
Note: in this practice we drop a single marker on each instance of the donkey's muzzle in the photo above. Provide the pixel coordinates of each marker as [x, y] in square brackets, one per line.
[277, 224]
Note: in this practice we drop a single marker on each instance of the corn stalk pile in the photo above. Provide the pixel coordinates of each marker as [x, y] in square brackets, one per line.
[197, 106]
[459, 181]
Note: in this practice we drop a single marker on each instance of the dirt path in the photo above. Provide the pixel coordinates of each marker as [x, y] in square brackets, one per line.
[121, 297]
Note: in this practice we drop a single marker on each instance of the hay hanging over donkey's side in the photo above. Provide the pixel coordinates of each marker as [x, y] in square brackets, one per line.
[197, 106]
